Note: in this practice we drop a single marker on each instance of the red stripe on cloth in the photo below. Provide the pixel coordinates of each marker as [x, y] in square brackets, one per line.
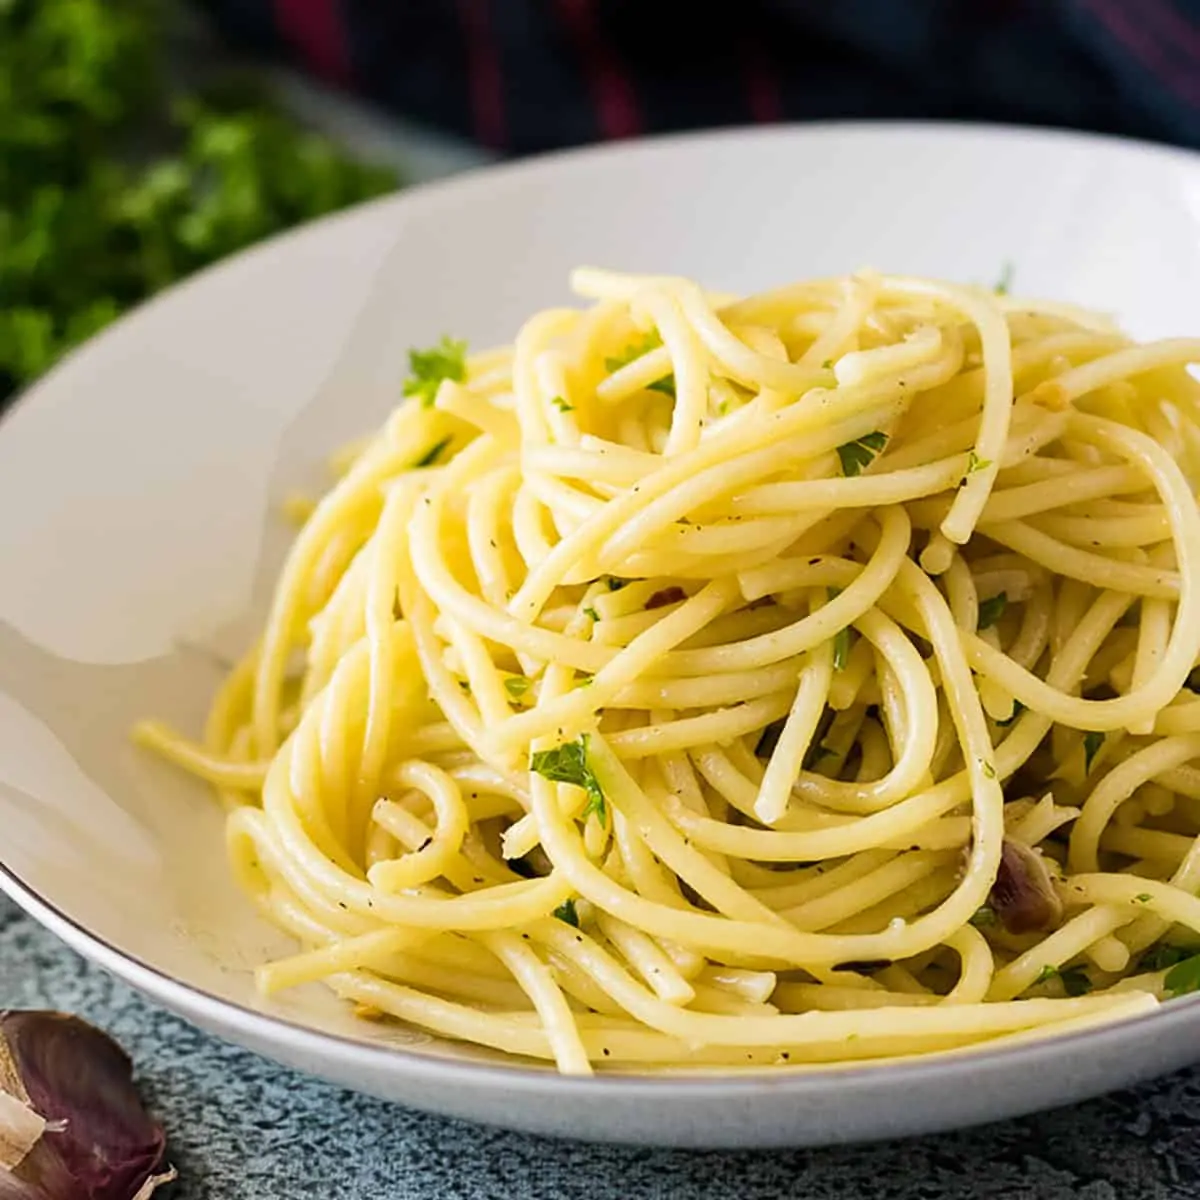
[617, 110]
[762, 84]
[484, 73]
[314, 28]
[1180, 79]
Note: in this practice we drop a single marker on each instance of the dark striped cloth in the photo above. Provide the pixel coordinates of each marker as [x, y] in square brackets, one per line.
[527, 75]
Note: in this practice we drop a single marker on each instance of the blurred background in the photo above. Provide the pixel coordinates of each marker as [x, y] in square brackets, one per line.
[141, 140]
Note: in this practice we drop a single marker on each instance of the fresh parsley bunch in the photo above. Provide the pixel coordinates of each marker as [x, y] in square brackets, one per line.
[91, 222]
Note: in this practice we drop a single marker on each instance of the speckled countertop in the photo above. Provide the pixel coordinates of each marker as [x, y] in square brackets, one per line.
[243, 1128]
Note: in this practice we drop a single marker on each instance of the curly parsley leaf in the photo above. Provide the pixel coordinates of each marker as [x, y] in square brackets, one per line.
[428, 459]
[428, 368]
[991, 610]
[1163, 955]
[566, 912]
[568, 763]
[1076, 981]
[517, 685]
[841, 639]
[859, 454]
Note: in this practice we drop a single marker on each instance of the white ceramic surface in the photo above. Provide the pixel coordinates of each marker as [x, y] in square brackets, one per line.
[136, 545]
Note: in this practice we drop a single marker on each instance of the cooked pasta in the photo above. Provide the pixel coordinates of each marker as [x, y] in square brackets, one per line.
[714, 682]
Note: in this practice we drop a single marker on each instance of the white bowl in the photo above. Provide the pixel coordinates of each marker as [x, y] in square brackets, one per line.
[137, 542]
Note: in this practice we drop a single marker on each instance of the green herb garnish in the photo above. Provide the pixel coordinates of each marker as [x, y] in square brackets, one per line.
[566, 912]
[1092, 741]
[589, 611]
[635, 350]
[841, 639]
[562, 405]
[991, 610]
[427, 369]
[861, 453]
[432, 456]
[1004, 284]
[568, 764]
[989, 771]
[1047, 973]
[517, 685]
[1163, 955]
[615, 584]
[1183, 977]
[984, 917]
[1076, 981]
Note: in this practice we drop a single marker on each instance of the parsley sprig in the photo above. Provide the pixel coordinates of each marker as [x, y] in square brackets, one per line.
[568, 763]
[427, 369]
[859, 454]
[636, 349]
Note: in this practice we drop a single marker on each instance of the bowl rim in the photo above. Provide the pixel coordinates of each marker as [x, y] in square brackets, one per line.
[262, 1028]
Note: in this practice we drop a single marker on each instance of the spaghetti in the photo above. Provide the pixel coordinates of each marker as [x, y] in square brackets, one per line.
[718, 682]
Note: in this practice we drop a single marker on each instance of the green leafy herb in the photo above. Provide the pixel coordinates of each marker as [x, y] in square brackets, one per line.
[861, 453]
[991, 610]
[464, 686]
[841, 639]
[568, 764]
[427, 369]
[562, 405]
[1047, 973]
[769, 739]
[1076, 981]
[974, 463]
[1092, 741]
[589, 611]
[566, 912]
[1163, 955]
[427, 460]
[1183, 977]
[1004, 284]
[1017, 709]
[635, 350]
[827, 365]
[984, 917]
[584, 681]
[615, 584]
[989, 771]
[517, 685]
[1143, 898]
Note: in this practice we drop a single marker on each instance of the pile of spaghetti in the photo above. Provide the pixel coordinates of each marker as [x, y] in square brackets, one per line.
[716, 682]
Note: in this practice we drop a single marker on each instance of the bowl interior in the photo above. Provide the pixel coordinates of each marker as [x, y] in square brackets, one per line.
[138, 482]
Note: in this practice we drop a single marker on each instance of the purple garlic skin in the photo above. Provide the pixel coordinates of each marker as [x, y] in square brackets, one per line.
[1024, 896]
[100, 1143]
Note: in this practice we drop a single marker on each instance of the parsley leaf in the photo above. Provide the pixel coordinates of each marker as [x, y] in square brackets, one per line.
[568, 764]
[1163, 955]
[635, 350]
[566, 912]
[991, 610]
[517, 685]
[427, 369]
[1004, 284]
[861, 453]
[1183, 977]
[1092, 741]
[1076, 981]
[589, 611]
[989, 771]
[428, 459]
[841, 639]
[562, 405]
[984, 917]
[1047, 973]
[615, 584]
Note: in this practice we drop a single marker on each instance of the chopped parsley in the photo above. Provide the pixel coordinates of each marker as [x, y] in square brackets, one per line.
[1143, 898]
[1076, 981]
[517, 685]
[841, 639]
[427, 369]
[984, 917]
[433, 454]
[562, 405]
[615, 584]
[1092, 741]
[568, 764]
[1048, 972]
[1183, 977]
[827, 365]
[991, 610]
[636, 349]
[589, 611]
[861, 453]
[1162, 956]
[1003, 285]
[989, 771]
[566, 912]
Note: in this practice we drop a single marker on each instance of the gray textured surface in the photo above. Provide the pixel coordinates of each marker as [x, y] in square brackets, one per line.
[243, 1128]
